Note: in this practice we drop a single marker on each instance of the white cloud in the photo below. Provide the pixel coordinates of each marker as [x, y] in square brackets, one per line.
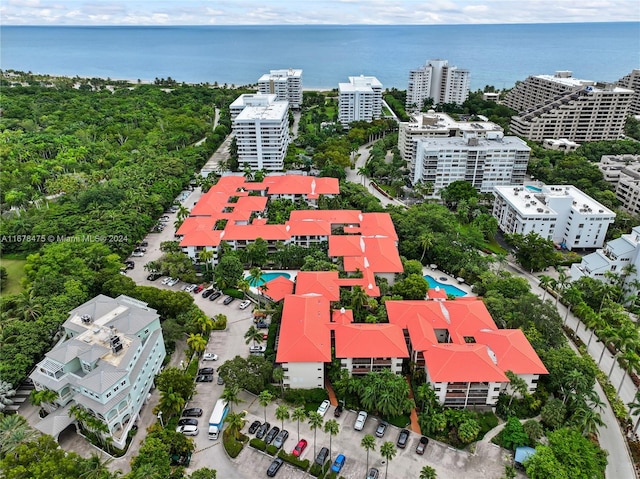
[271, 12]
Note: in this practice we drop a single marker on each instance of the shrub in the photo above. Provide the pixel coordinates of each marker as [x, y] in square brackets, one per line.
[232, 446]
[308, 397]
[272, 450]
[235, 293]
[399, 421]
[258, 444]
[317, 470]
[294, 461]
[220, 324]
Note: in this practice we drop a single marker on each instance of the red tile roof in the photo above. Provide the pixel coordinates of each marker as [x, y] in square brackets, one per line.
[301, 185]
[320, 282]
[513, 351]
[304, 333]
[278, 288]
[370, 341]
[461, 363]
[437, 293]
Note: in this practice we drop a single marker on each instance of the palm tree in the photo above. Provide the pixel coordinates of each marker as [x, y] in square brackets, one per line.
[27, 305]
[196, 343]
[426, 241]
[368, 443]
[332, 428]
[315, 421]
[171, 402]
[235, 422]
[96, 468]
[388, 451]
[545, 282]
[244, 286]
[265, 398]
[231, 395]
[205, 324]
[6, 393]
[588, 421]
[205, 256]
[253, 334]
[44, 396]
[298, 414]
[428, 472]
[634, 409]
[632, 362]
[572, 296]
[182, 213]
[278, 375]
[561, 283]
[282, 413]
[14, 430]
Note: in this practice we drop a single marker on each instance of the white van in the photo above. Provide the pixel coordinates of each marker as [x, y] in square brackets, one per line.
[188, 430]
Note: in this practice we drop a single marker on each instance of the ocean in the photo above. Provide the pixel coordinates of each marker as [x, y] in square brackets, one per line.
[497, 55]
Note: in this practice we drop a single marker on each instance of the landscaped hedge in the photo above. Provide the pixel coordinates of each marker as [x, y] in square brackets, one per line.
[294, 461]
[258, 444]
[311, 397]
[234, 293]
[272, 450]
[220, 324]
[232, 446]
[319, 471]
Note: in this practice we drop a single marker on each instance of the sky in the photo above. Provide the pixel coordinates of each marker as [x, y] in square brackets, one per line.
[302, 12]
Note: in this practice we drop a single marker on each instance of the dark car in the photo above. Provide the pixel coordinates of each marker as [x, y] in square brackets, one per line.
[281, 438]
[322, 456]
[381, 429]
[262, 430]
[143, 244]
[271, 435]
[129, 264]
[204, 378]
[215, 295]
[373, 473]
[254, 426]
[262, 325]
[338, 410]
[422, 445]
[192, 412]
[403, 438]
[187, 421]
[153, 276]
[205, 371]
[274, 467]
[207, 292]
[228, 300]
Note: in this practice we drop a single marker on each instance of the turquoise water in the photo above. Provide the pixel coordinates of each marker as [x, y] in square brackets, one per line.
[266, 277]
[449, 289]
[535, 189]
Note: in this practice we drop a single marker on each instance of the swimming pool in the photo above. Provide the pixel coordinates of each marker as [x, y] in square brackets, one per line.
[266, 277]
[448, 288]
[535, 189]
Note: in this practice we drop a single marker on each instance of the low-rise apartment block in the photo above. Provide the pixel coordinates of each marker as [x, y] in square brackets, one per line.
[438, 81]
[261, 127]
[285, 84]
[623, 171]
[560, 213]
[561, 106]
[359, 100]
[106, 363]
[483, 162]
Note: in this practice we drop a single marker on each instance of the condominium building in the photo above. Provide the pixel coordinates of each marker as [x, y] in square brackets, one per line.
[261, 127]
[620, 256]
[439, 81]
[623, 171]
[438, 125]
[105, 363]
[483, 162]
[560, 213]
[286, 84]
[632, 81]
[359, 100]
[560, 106]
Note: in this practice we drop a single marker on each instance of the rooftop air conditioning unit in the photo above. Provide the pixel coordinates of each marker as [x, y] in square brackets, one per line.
[85, 318]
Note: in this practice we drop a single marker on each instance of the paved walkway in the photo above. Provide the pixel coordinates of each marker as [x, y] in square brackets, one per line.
[332, 395]
[415, 425]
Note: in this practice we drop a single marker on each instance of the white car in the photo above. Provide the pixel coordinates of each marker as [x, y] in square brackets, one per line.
[258, 349]
[210, 357]
[324, 407]
[167, 280]
[245, 304]
[188, 430]
[137, 254]
[360, 420]
[190, 287]
[173, 281]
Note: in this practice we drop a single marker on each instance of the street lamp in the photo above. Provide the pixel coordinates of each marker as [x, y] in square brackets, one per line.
[160, 417]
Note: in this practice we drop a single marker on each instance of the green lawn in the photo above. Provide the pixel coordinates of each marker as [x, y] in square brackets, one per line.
[15, 270]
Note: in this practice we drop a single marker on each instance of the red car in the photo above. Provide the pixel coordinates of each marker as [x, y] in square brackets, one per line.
[300, 447]
[199, 288]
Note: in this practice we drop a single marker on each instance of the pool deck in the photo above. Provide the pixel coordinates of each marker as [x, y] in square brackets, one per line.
[451, 281]
[293, 273]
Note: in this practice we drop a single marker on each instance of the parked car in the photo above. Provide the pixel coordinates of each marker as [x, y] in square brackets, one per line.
[274, 467]
[138, 249]
[144, 243]
[338, 410]
[166, 280]
[381, 429]
[257, 349]
[204, 378]
[198, 288]
[209, 357]
[188, 430]
[281, 438]
[137, 254]
[262, 430]
[129, 264]
[360, 420]
[338, 463]
[228, 300]
[245, 304]
[187, 421]
[373, 473]
[207, 292]
[422, 445]
[254, 426]
[300, 447]
[324, 407]
[220, 380]
[215, 295]
[192, 412]
[262, 325]
[205, 371]
[164, 219]
[322, 456]
[271, 435]
[403, 438]
[190, 288]
[153, 276]
[173, 281]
